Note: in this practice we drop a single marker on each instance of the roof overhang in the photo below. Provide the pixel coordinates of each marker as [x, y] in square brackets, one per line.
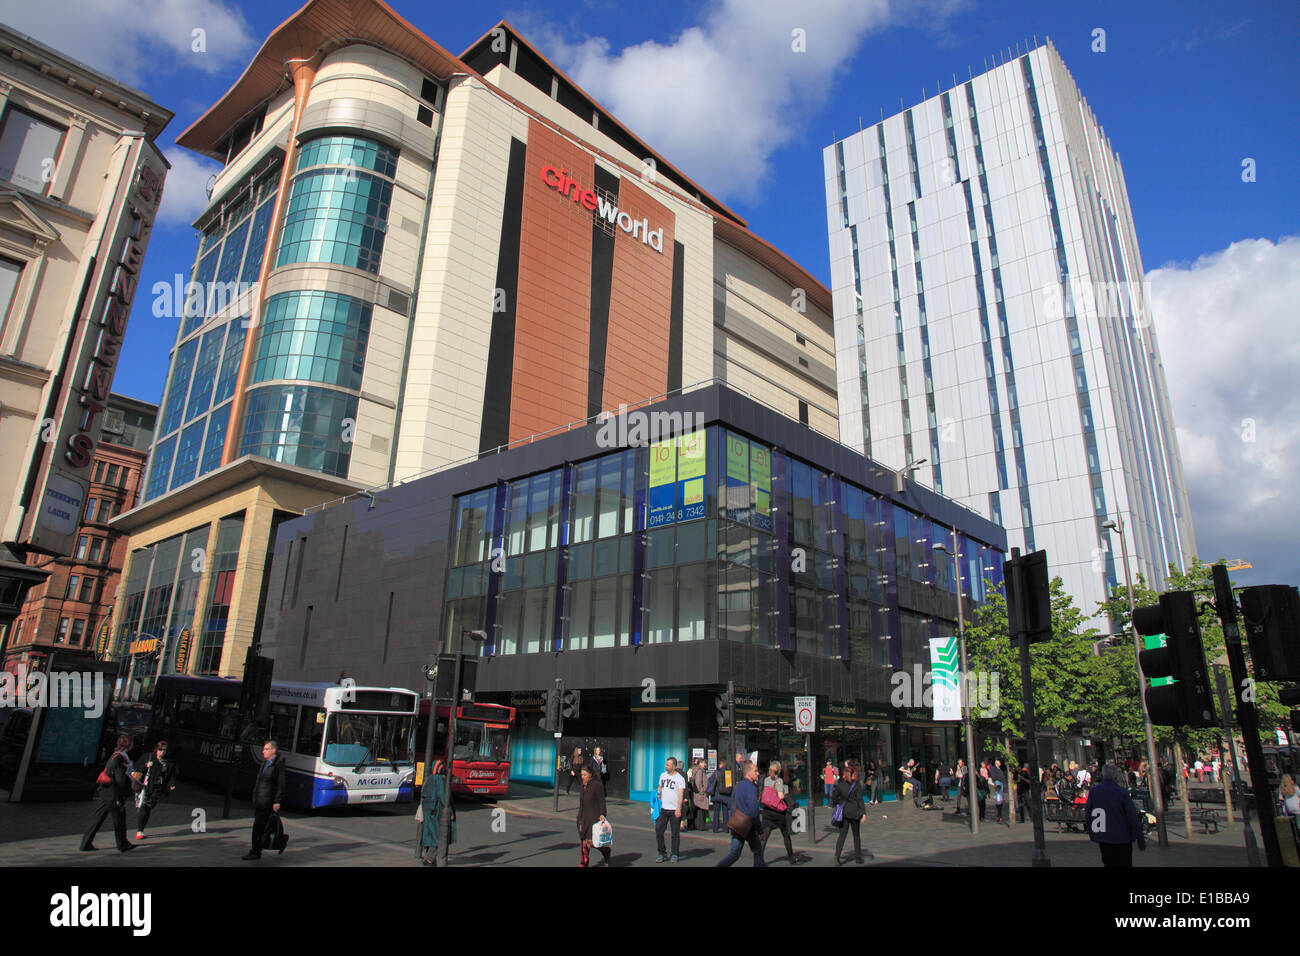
[314, 30]
[240, 473]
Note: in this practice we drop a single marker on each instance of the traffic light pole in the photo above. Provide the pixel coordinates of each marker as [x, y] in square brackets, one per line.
[558, 691]
[1242, 685]
[1154, 786]
[1031, 725]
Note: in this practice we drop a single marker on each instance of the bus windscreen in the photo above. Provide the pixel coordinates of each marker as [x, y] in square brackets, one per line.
[360, 740]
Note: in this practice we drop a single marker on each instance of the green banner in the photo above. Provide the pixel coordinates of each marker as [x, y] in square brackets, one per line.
[760, 472]
[691, 466]
[662, 504]
[737, 478]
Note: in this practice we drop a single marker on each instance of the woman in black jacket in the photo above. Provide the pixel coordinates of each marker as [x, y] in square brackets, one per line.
[591, 809]
[848, 794]
[113, 790]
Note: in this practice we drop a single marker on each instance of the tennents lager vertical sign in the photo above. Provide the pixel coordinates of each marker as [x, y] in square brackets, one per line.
[100, 329]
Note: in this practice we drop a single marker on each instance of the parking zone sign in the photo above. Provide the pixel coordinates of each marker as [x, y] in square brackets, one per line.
[805, 715]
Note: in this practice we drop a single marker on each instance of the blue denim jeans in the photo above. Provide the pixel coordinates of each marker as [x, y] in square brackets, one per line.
[737, 844]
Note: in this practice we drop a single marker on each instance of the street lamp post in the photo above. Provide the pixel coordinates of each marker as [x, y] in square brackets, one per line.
[445, 819]
[967, 727]
[1153, 765]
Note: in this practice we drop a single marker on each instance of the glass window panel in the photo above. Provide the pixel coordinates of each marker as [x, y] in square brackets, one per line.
[606, 557]
[609, 488]
[517, 518]
[579, 623]
[539, 500]
[508, 622]
[659, 548]
[584, 503]
[692, 539]
[29, 146]
[10, 271]
[604, 607]
[580, 561]
[537, 620]
[659, 606]
[692, 599]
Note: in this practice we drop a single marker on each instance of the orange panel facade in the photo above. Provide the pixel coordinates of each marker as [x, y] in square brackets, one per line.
[636, 351]
[549, 382]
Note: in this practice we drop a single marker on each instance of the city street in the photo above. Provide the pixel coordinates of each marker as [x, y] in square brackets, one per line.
[523, 831]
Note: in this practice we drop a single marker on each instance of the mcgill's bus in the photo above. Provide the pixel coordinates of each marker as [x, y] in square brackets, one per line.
[341, 744]
[481, 759]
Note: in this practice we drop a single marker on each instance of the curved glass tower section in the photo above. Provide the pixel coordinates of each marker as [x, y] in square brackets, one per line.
[312, 346]
[338, 203]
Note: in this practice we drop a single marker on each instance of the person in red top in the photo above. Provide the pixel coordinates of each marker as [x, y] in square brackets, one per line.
[829, 776]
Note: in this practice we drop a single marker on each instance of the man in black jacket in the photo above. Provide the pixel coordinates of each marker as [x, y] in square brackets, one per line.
[112, 796]
[268, 793]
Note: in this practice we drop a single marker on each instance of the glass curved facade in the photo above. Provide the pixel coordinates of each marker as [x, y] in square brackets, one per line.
[338, 203]
[300, 425]
[315, 336]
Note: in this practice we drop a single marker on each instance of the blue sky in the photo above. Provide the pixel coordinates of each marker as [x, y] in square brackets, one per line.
[1185, 92]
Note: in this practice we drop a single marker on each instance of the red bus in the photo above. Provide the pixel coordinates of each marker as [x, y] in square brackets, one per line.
[481, 758]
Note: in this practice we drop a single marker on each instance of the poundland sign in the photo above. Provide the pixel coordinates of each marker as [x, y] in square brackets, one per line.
[602, 208]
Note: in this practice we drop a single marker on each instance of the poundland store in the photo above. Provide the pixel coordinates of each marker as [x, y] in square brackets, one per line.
[647, 572]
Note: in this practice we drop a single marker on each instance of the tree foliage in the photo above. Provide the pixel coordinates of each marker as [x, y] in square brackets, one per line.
[1074, 686]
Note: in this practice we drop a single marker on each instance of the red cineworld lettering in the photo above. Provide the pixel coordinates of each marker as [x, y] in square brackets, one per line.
[602, 208]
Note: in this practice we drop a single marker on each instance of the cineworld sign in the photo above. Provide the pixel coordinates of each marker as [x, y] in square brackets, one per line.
[601, 208]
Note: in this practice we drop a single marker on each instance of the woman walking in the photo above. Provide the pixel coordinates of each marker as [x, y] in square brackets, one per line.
[875, 782]
[591, 810]
[156, 774]
[433, 797]
[848, 812]
[699, 781]
[776, 809]
[575, 765]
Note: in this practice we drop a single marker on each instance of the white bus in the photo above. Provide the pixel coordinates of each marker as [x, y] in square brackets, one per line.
[342, 744]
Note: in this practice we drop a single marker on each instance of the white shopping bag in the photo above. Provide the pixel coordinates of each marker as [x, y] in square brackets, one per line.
[602, 834]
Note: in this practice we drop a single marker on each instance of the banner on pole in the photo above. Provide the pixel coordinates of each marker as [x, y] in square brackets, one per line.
[944, 689]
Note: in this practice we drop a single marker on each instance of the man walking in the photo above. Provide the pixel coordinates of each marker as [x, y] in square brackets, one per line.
[268, 794]
[1112, 819]
[672, 787]
[747, 802]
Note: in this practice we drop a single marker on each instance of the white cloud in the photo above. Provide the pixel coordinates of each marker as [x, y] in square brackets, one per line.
[723, 96]
[139, 39]
[1229, 332]
[185, 192]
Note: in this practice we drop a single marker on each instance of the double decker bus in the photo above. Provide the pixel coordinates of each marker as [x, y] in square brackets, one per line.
[341, 744]
[481, 758]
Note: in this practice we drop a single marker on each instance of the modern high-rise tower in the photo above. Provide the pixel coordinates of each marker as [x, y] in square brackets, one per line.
[991, 322]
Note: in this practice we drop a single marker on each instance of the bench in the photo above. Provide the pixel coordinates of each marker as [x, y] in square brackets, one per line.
[1064, 815]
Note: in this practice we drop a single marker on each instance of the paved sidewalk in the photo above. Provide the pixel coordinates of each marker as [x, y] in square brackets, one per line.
[187, 830]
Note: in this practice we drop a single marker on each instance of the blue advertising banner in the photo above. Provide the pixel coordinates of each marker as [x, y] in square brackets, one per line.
[662, 501]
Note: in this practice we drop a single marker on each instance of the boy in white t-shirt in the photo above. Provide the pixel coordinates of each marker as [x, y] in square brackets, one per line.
[672, 788]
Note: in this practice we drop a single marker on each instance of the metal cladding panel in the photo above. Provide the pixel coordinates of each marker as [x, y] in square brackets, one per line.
[399, 544]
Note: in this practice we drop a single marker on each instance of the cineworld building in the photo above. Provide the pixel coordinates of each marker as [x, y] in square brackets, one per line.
[647, 572]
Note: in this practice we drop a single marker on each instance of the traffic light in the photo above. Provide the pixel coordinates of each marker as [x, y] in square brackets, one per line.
[571, 700]
[551, 711]
[1186, 702]
[1031, 612]
[1272, 616]
[726, 707]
